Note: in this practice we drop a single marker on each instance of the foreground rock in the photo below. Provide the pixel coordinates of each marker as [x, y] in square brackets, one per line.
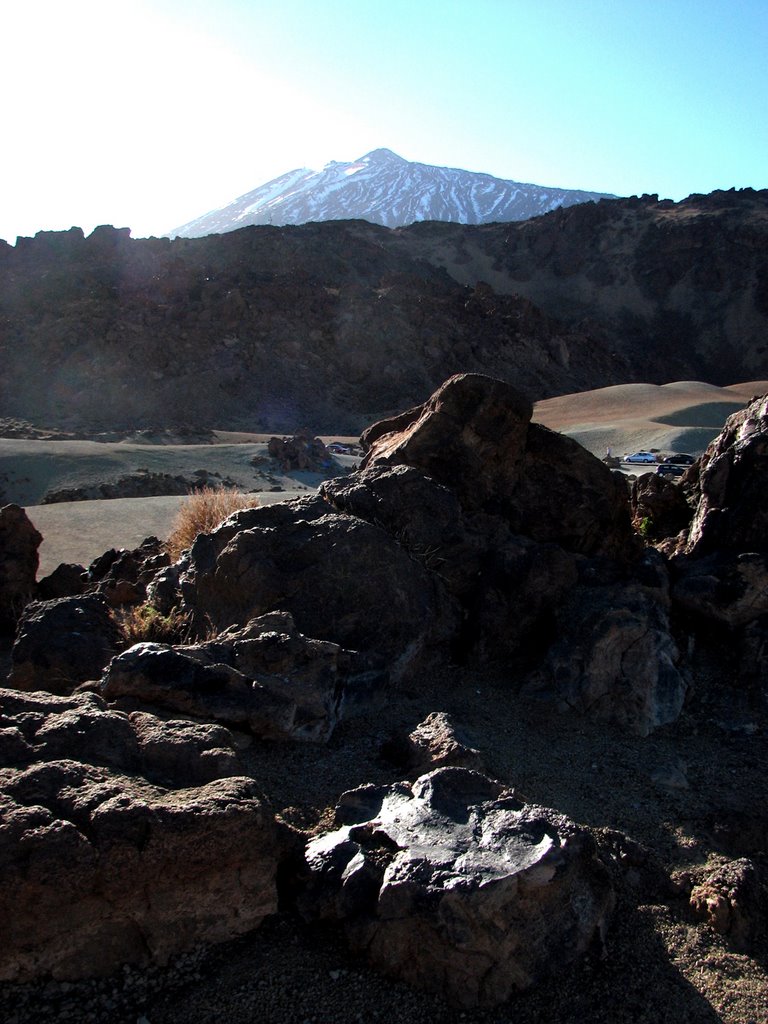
[19, 541]
[103, 867]
[454, 886]
[341, 578]
[62, 643]
[266, 678]
[730, 486]
[614, 658]
[462, 537]
[474, 435]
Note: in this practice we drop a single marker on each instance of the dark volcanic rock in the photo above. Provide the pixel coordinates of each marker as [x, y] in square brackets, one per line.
[729, 487]
[66, 580]
[474, 436]
[265, 677]
[19, 541]
[733, 899]
[41, 726]
[62, 643]
[724, 588]
[614, 657]
[507, 585]
[103, 868]
[342, 579]
[659, 507]
[339, 323]
[461, 538]
[434, 743]
[300, 452]
[453, 885]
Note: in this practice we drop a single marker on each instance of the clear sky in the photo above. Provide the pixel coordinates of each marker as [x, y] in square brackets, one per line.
[148, 113]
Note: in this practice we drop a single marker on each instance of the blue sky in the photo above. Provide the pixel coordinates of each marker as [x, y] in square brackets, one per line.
[147, 113]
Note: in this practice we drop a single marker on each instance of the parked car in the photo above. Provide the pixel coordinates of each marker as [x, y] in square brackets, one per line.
[680, 459]
[670, 469]
[640, 457]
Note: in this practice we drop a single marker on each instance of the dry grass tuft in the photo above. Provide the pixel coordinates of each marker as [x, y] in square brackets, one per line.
[202, 512]
[143, 623]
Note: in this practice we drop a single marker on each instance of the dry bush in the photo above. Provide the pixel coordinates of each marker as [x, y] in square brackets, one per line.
[143, 623]
[202, 512]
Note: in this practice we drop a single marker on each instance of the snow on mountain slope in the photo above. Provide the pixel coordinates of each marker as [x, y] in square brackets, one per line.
[386, 189]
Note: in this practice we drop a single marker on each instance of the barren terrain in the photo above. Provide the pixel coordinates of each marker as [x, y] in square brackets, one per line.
[683, 417]
[694, 793]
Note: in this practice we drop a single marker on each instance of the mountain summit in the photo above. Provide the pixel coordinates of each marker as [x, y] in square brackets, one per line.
[383, 188]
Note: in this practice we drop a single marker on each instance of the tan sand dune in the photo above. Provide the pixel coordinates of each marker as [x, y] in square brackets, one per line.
[680, 417]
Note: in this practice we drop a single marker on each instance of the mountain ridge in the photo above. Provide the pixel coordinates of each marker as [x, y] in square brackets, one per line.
[341, 323]
[384, 188]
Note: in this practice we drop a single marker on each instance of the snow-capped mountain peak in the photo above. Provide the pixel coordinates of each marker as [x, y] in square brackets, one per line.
[384, 188]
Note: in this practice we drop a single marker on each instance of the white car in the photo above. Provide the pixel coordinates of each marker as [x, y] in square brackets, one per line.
[640, 457]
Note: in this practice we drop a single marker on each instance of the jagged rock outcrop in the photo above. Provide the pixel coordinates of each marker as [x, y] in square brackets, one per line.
[68, 579]
[266, 678]
[729, 487]
[659, 507]
[63, 642]
[453, 885]
[463, 536]
[474, 435]
[103, 863]
[19, 541]
[339, 323]
[122, 577]
[300, 452]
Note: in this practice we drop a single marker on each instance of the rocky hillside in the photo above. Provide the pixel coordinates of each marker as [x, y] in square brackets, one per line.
[336, 324]
[383, 188]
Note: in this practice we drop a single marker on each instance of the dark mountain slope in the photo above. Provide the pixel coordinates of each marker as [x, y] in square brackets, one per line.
[335, 324]
[676, 284]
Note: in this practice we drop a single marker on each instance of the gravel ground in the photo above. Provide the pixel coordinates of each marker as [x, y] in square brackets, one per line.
[685, 792]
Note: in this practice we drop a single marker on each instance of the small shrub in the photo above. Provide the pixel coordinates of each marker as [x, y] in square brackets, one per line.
[143, 624]
[202, 512]
[645, 527]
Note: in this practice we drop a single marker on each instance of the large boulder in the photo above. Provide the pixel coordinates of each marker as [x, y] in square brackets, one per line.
[474, 436]
[62, 643]
[452, 885]
[341, 578]
[659, 507]
[729, 486]
[102, 866]
[265, 677]
[470, 435]
[507, 586]
[19, 560]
